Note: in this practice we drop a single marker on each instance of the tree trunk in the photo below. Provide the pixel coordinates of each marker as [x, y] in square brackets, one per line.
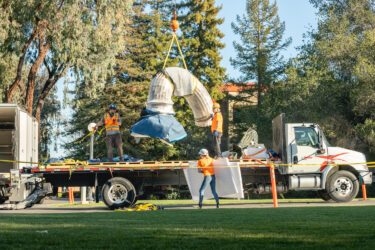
[259, 61]
[43, 49]
[39, 107]
[259, 87]
[52, 80]
[17, 81]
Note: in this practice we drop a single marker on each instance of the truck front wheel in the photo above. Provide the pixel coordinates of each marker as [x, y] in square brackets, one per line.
[118, 192]
[343, 186]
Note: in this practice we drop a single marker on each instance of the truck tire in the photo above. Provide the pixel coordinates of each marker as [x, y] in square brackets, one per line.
[343, 186]
[324, 195]
[118, 192]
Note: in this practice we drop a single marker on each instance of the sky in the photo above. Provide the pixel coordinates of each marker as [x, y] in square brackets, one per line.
[298, 16]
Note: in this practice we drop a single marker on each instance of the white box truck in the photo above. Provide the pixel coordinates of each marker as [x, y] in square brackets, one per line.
[18, 141]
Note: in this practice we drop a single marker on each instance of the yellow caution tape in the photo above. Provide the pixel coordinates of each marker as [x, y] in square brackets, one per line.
[78, 163]
[139, 207]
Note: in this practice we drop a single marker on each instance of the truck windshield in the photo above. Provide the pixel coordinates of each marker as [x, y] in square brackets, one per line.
[306, 136]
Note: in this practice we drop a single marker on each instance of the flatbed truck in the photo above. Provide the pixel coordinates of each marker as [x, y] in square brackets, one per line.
[307, 162]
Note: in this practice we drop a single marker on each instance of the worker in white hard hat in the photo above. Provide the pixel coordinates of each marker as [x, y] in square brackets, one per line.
[205, 166]
[217, 128]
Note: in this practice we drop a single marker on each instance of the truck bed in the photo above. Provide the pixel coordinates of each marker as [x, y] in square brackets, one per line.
[131, 166]
[147, 173]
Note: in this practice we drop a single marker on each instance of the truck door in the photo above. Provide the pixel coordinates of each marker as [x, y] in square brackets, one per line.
[307, 144]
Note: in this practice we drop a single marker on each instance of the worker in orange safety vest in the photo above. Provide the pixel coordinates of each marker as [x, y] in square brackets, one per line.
[112, 122]
[205, 166]
[217, 128]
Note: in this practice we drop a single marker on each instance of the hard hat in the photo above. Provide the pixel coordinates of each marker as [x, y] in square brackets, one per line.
[216, 105]
[203, 151]
[112, 106]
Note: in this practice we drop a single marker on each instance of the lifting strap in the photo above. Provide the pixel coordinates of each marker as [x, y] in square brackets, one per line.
[174, 38]
[140, 207]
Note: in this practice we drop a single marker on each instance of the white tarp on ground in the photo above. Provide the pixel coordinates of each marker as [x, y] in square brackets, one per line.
[228, 180]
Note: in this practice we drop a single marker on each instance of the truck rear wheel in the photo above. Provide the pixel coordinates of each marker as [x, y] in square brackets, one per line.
[343, 186]
[118, 192]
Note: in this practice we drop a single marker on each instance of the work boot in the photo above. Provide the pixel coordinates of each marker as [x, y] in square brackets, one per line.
[217, 205]
[200, 206]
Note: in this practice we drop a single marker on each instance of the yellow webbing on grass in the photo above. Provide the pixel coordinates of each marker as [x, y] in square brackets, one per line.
[139, 207]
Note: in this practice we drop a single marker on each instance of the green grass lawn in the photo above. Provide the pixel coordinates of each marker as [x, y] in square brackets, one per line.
[190, 202]
[256, 228]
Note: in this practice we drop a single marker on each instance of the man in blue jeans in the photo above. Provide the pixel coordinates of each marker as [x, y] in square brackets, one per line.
[205, 166]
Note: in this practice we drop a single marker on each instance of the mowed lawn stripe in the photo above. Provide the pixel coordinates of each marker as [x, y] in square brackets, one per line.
[266, 228]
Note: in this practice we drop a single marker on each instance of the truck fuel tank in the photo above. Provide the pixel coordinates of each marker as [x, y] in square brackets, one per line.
[304, 182]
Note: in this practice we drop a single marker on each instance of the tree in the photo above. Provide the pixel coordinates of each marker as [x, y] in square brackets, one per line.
[80, 36]
[330, 82]
[201, 42]
[258, 54]
[136, 65]
[345, 37]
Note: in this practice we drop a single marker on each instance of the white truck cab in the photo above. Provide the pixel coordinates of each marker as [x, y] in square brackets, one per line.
[311, 163]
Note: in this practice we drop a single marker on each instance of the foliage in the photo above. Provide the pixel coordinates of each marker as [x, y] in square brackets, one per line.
[147, 45]
[57, 36]
[261, 40]
[339, 62]
[330, 82]
[135, 67]
[258, 57]
[200, 41]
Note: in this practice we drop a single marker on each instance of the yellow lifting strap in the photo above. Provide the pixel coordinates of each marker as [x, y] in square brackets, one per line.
[93, 131]
[139, 207]
[174, 38]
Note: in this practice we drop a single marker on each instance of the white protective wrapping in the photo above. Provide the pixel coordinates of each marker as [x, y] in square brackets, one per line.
[259, 152]
[160, 95]
[228, 180]
[183, 84]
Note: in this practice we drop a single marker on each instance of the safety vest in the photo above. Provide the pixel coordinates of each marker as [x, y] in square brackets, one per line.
[111, 122]
[217, 123]
[207, 166]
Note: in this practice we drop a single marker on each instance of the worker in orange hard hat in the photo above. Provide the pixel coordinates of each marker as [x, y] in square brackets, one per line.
[217, 128]
[112, 122]
[205, 165]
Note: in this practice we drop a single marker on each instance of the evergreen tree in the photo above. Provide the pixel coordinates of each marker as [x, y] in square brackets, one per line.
[136, 65]
[148, 38]
[200, 42]
[258, 53]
